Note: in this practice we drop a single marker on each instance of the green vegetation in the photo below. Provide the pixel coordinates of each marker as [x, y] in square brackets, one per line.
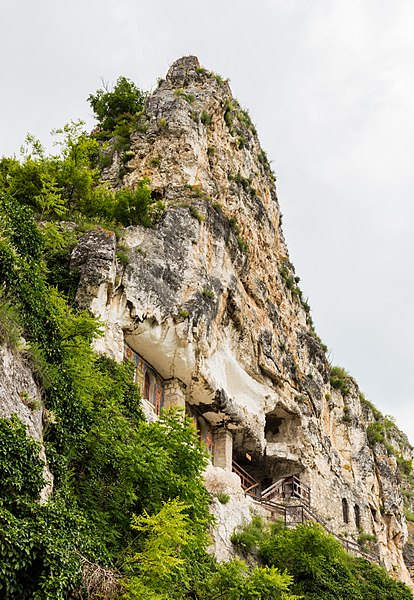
[209, 294]
[187, 96]
[155, 161]
[235, 228]
[364, 539]
[249, 537]
[291, 281]
[205, 118]
[340, 379]
[117, 110]
[347, 416]
[409, 515]
[128, 516]
[243, 182]
[10, 329]
[223, 498]
[194, 212]
[376, 413]
[66, 186]
[318, 564]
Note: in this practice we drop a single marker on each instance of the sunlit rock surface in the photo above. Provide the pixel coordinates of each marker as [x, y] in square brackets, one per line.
[210, 297]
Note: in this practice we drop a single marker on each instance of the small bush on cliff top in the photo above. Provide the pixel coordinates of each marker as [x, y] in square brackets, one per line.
[339, 379]
[110, 107]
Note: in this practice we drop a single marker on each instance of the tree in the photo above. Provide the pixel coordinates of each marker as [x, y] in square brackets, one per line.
[123, 102]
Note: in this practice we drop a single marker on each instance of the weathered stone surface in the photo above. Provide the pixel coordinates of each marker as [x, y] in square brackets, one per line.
[20, 396]
[209, 297]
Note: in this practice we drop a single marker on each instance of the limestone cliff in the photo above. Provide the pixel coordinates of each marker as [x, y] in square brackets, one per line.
[21, 396]
[209, 299]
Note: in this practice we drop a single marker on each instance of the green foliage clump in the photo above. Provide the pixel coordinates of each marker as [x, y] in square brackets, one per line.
[208, 294]
[114, 109]
[366, 538]
[21, 469]
[409, 515]
[347, 416]
[365, 402]
[10, 328]
[39, 544]
[235, 228]
[339, 379]
[187, 96]
[249, 537]
[205, 118]
[223, 498]
[375, 433]
[405, 465]
[322, 569]
[161, 561]
[67, 186]
[194, 212]
[235, 581]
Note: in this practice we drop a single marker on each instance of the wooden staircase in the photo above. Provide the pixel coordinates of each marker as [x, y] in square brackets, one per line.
[248, 483]
[289, 501]
[286, 489]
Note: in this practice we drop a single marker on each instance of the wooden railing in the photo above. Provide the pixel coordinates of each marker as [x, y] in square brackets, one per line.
[291, 488]
[293, 515]
[287, 488]
[248, 483]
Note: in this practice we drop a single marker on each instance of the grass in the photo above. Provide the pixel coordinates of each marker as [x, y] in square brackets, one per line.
[187, 96]
[208, 294]
[205, 118]
[194, 212]
[223, 498]
[339, 379]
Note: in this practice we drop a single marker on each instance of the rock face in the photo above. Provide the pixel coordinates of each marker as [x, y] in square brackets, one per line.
[210, 300]
[20, 396]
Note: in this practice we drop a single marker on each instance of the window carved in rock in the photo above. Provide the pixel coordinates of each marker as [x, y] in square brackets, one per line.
[345, 510]
[357, 516]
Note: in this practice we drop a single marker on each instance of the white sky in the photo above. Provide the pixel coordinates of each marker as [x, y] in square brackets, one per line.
[330, 86]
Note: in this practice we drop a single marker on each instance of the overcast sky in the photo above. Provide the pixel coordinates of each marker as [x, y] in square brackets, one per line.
[330, 86]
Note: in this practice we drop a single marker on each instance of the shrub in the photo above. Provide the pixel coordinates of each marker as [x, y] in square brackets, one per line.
[223, 498]
[187, 96]
[365, 402]
[405, 465]
[208, 294]
[322, 569]
[375, 434]
[124, 101]
[339, 379]
[10, 329]
[366, 538]
[248, 538]
[205, 118]
[195, 213]
[409, 515]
